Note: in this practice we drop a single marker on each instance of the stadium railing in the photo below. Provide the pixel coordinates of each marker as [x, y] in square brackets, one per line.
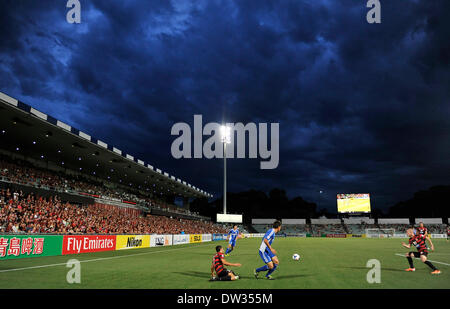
[14, 246]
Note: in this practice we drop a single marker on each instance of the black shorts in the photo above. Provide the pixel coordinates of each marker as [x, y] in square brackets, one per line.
[223, 273]
[418, 254]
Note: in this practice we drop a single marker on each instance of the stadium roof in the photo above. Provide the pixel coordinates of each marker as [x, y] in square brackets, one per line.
[33, 134]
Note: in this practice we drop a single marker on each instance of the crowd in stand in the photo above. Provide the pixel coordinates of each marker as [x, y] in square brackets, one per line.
[318, 229]
[399, 228]
[22, 172]
[359, 228]
[328, 229]
[20, 213]
[297, 229]
[436, 228]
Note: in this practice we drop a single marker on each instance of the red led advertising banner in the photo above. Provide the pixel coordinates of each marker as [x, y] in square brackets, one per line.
[74, 244]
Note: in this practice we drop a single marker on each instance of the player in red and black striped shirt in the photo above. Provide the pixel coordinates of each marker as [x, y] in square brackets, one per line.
[419, 241]
[422, 230]
[218, 266]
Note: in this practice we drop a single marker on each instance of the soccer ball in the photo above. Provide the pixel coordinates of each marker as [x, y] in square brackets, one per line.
[296, 257]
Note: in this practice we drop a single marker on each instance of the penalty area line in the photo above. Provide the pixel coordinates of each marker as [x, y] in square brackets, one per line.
[98, 259]
[437, 262]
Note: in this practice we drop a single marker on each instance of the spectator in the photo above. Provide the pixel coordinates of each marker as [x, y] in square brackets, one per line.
[31, 214]
[22, 172]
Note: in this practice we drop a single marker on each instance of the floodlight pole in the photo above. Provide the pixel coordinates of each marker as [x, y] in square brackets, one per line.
[225, 178]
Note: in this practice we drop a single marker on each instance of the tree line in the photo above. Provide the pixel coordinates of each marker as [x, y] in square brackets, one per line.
[430, 203]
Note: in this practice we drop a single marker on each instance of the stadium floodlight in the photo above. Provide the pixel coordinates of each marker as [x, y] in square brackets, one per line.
[225, 132]
[226, 139]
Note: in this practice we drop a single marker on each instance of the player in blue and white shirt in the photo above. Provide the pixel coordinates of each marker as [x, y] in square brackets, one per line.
[233, 234]
[267, 253]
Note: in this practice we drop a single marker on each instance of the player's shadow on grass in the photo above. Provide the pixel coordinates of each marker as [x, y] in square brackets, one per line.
[207, 275]
[195, 274]
[291, 276]
[382, 268]
[204, 275]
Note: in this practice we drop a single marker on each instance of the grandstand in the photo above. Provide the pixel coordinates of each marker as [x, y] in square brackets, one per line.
[317, 227]
[28, 214]
[434, 225]
[386, 227]
[295, 226]
[398, 225]
[261, 225]
[359, 225]
[48, 164]
[327, 226]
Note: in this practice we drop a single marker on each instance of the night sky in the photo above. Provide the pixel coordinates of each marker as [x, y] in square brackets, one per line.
[362, 108]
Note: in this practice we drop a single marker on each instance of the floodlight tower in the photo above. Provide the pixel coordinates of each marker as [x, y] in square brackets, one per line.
[226, 139]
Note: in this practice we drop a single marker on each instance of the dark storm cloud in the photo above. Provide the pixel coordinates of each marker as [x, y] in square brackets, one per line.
[362, 108]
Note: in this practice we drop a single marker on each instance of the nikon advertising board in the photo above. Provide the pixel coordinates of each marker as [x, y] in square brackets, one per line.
[21, 246]
[132, 241]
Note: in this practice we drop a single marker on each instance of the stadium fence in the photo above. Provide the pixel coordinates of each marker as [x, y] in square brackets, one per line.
[22, 246]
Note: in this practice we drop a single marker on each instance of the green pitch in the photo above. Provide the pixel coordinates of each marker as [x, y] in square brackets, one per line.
[325, 264]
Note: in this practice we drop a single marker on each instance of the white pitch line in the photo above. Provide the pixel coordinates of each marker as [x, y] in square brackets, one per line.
[403, 255]
[93, 260]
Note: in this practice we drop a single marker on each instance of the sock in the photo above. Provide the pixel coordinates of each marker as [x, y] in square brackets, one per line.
[410, 261]
[263, 268]
[271, 270]
[228, 251]
[430, 265]
[226, 278]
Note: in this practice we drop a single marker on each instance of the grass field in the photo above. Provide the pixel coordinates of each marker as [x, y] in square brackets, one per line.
[326, 263]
